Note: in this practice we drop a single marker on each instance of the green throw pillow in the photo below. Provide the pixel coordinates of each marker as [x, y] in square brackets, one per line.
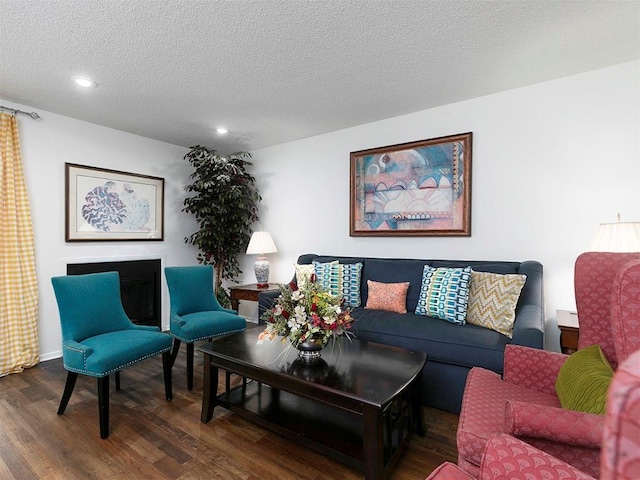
[583, 381]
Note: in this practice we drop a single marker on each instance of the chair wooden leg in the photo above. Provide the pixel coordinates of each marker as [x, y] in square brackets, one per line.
[103, 405]
[117, 381]
[174, 350]
[68, 390]
[190, 366]
[166, 366]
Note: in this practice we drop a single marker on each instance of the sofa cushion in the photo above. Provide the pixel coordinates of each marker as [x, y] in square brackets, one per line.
[444, 293]
[492, 300]
[387, 296]
[463, 345]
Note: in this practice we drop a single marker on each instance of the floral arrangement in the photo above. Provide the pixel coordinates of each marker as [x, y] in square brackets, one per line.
[300, 313]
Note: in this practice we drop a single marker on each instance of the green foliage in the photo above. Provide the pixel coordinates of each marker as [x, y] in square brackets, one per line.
[225, 203]
[224, 299]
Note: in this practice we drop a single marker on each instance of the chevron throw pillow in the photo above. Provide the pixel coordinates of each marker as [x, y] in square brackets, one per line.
[492, 300]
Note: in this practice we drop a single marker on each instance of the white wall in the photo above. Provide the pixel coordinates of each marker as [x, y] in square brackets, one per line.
[550, 162]
[46, 145]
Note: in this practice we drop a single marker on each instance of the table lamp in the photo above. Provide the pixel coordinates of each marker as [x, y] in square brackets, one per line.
[260, 244]
[617, 237]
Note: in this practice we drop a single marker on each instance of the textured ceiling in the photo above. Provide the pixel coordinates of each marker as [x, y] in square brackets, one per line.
[273, 71]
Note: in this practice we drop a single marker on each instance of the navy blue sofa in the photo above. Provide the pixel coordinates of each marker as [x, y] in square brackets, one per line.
[452, 350]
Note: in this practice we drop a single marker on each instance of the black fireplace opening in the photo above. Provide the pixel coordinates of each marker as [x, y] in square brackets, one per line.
[140, 287]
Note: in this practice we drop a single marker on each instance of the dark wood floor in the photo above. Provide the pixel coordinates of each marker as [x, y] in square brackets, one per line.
[154, 439]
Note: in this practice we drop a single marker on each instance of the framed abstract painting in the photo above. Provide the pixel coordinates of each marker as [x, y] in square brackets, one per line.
[413, 189]
[106, 205]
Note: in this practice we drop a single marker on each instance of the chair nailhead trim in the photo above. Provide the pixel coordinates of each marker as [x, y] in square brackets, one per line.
[114, 370]
[208, 336]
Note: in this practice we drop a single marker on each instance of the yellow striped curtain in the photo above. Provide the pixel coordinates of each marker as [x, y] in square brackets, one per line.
[18, 283]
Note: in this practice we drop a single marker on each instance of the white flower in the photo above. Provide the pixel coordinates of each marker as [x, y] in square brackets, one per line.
[329, 320]
[337, 309]
[292, 324]
[297, 296]
[278, 310]
[300, 313]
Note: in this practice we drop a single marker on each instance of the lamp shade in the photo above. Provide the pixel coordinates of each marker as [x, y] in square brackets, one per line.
[617, 237]
[261, 243]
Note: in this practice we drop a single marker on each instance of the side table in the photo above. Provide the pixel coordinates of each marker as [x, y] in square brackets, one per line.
[249, 292]
[569, 330]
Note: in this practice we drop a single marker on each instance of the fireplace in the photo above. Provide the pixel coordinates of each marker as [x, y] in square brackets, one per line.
[140, 287]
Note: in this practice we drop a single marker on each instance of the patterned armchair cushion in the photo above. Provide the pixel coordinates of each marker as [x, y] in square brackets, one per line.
[448, 471]
[492, 300]
[508, 458]
[583, 381]
[625, 320]
[551, 423]
[444, 293]
[532, 367]
[620, 459]
[482, 412]
[387, 296]
[594, 281]
[482, 416]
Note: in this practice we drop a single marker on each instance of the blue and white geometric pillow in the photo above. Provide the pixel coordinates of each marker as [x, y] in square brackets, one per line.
[350, 287]
[444, 293]
[341, 279]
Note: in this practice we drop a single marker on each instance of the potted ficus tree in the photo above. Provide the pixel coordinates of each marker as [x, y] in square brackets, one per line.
[225, 203]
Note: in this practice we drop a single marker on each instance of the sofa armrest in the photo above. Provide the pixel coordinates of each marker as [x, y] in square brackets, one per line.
[532, 368]
[265, 302]
[559, 425]
[528, 329]
[508, 457]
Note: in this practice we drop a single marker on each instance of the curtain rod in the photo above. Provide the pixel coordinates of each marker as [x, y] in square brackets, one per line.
[33, 115]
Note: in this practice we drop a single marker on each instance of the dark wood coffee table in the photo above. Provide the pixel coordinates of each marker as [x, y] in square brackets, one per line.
[359, 404]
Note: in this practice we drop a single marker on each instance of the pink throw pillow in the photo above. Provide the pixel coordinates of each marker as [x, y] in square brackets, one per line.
[387, 296]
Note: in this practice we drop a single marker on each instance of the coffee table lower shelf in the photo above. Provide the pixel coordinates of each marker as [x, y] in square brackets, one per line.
[331, 431]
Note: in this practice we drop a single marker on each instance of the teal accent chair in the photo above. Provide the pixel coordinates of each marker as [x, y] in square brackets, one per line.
[98, 338]
[195, 311]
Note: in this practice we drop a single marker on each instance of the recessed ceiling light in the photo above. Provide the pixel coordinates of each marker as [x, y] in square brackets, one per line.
[84, 82]
[222, 131]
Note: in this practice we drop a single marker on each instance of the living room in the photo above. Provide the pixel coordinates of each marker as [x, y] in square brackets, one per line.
[552, 159]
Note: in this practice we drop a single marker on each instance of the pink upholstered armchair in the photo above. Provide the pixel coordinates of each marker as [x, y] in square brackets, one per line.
[523, 403]
[506, 457]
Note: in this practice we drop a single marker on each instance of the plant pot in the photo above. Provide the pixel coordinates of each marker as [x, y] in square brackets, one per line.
[309, 350]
